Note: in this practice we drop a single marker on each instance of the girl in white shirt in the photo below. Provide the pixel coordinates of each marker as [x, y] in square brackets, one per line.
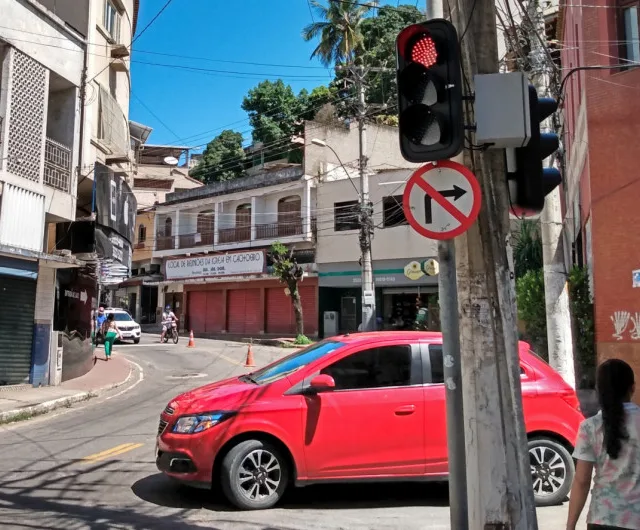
[609, 443]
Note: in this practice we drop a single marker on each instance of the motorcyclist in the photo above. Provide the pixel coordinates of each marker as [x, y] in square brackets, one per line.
[168, 320]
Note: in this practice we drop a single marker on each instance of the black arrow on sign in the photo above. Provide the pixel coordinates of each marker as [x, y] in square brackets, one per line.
[456, 192]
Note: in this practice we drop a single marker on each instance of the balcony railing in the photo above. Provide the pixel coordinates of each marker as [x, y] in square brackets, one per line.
[234, 235]
[57, 165]
[276, 230]
[199, 239]
[165, 242]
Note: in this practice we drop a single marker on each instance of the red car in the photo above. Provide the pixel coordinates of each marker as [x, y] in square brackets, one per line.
[367, 406]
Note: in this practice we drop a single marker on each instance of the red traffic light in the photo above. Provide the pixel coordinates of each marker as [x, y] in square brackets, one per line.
[424, 51]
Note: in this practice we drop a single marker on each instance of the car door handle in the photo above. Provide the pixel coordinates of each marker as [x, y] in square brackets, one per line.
[406, 409]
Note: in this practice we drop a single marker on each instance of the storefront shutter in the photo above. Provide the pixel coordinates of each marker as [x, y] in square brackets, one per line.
[197, 311]
[244, 311]
[279, 312]
[215, 312]
[308, 296]
[16, 329]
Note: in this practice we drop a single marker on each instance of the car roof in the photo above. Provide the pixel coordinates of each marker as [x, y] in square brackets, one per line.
[423, 336]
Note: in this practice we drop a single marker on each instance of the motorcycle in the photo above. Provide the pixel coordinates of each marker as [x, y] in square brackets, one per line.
[172, 333]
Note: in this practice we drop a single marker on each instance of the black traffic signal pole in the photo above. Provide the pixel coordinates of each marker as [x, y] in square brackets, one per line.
[447, 282]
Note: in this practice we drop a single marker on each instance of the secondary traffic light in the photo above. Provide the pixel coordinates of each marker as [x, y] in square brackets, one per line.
[533, 181]
[429, 91]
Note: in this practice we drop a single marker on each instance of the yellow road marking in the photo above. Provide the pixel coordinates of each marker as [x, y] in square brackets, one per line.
[230, 360]
[115, 451]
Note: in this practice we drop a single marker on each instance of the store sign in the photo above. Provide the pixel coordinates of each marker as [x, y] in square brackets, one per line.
[232, 264]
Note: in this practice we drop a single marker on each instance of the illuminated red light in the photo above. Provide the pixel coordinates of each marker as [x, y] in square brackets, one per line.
[424, 52]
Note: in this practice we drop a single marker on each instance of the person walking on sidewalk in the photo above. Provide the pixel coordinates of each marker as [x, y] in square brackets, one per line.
[111, 334]
[609, 442]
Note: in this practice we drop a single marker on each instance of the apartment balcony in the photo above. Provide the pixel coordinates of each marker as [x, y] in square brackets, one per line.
[277, 230]
[57, 165]
[199, 239]
[165, 242]
[234, 238]
[234, 235]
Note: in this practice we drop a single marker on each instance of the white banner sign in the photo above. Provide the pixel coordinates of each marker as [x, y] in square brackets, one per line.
[232, 264]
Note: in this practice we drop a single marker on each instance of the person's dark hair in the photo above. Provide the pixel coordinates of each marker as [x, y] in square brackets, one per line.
[110, 317]
[614, 383]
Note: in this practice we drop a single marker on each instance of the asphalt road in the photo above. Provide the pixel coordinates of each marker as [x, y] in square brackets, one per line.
[92, 466]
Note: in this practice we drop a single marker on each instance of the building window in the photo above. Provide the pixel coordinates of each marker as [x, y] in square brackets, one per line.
[347, 216]
[142, 234]
[243, 216]
[630, 34]
[111, 20]
[168, 227]
[393, 214]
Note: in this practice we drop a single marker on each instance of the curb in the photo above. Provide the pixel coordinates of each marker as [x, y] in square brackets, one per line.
[49, 406]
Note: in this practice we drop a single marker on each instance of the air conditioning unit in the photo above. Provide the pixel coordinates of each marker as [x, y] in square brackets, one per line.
[331, 323]
[55, 359]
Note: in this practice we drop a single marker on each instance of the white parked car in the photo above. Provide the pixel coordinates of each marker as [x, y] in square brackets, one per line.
[128, 327]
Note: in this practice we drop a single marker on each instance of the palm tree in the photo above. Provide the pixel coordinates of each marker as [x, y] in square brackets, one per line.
[527, 248]
[338, 30]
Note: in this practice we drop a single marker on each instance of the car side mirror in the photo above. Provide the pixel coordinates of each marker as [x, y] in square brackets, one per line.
[322, 383]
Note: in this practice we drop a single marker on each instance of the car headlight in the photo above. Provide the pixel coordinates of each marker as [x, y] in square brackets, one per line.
[199, 422]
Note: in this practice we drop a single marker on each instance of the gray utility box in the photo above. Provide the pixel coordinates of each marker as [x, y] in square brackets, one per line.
[502, 110]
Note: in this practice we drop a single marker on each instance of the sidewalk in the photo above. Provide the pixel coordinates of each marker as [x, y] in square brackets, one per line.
[16, 405]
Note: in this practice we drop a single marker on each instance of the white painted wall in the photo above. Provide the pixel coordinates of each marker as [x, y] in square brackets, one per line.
[388, 243]
[33, 32]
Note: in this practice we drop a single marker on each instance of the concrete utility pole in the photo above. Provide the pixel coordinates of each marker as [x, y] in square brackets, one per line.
[556, 292]
[499, 489]
[366, 217]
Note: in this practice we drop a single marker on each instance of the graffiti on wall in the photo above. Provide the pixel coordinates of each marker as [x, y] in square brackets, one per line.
[625, 321]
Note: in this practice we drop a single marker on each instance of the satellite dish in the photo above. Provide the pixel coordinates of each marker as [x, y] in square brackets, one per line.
[171, 160]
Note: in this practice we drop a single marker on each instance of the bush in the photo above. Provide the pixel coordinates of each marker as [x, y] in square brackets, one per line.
[583, 327]
[302, 340]
[531, 310]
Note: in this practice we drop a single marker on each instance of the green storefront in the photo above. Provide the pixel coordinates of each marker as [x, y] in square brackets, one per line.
[402, 288]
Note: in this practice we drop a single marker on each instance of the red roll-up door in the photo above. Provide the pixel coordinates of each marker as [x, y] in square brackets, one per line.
[244, 311]
[281, 317]
[197, 311]
[279, 311]
[308, 296]
[215, 312]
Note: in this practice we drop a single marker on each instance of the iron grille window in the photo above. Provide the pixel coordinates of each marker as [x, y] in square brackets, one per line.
[393, 214]
[347, 216]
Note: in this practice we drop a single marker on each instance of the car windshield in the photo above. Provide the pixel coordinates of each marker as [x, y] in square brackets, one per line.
[294, 362]
[122, 317]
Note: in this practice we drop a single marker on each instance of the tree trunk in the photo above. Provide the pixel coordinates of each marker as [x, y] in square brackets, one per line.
[297, 308]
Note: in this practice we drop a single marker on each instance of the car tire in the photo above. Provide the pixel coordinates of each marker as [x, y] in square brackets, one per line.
[552, 471]
[136, 341]
[271, 475]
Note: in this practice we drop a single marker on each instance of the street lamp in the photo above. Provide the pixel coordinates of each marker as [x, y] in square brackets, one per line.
[366, 229]
[321, 143]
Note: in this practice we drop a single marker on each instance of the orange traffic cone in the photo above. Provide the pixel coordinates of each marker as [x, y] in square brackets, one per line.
[249, 361]
[192, 343]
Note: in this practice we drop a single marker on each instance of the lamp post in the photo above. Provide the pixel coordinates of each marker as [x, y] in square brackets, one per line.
[366, 229]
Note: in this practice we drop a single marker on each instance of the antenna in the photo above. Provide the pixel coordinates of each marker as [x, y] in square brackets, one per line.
[171, 160]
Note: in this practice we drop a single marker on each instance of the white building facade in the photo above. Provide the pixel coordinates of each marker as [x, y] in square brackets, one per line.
[63, 107]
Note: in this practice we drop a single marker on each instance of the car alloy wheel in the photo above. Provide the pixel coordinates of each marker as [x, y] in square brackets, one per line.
[259, 475]
[254, 475]
[552, 471]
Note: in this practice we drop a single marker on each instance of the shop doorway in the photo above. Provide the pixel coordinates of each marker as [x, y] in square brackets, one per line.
[410, 311]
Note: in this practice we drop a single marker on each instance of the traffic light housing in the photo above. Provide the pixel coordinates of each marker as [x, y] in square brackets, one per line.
[429, 91]
[533, 182]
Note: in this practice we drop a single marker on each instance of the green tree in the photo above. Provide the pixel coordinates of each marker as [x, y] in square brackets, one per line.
[527, 248]
[338, 29]
[532, 310]
[223, 159]
[379, 50]
[583, 325]
[277, 114]
[287, 270]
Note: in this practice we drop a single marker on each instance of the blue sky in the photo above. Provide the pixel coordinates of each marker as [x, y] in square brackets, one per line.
[190, 107]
